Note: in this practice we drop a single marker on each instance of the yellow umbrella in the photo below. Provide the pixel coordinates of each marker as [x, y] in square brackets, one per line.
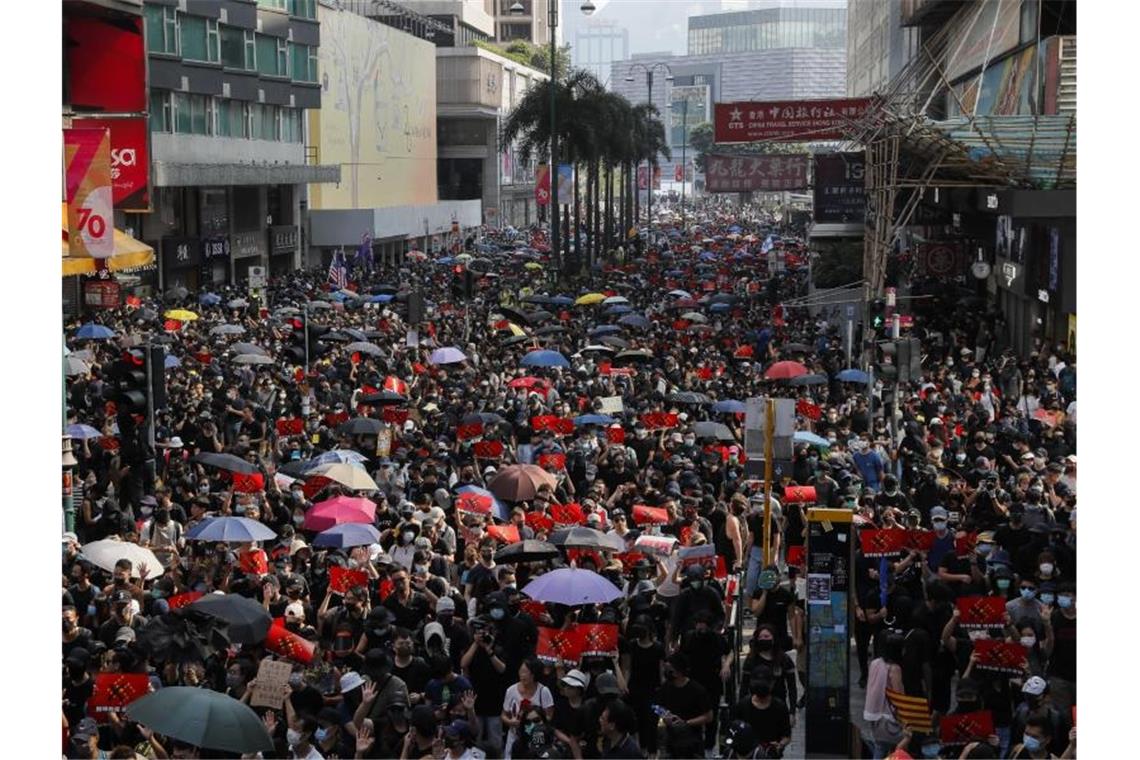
[532, 265]
[182, 315]
[590, 299]
[515, 329]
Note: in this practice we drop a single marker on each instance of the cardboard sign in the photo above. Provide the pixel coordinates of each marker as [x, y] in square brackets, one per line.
[799, 495]
[661, 546]
[966, 727]
[384, 441]
[980, 611]
[272, 680]
[474, 503]
[705, 554]
[112, 692]
[1003, 656]
[611, 405]
[341, 579]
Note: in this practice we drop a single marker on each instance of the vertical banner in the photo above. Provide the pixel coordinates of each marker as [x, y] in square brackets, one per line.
[829, 558]
[542, 185]
[565, 183]
[87, 156]
[656, 177]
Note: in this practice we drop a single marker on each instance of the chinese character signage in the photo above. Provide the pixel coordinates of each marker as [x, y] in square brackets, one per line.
[840, 194]
[739, 174]
[789, 120]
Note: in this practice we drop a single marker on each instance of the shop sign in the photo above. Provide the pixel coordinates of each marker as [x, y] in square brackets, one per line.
[246, 244]
[102, 294]
[286, 238]
[214, 248]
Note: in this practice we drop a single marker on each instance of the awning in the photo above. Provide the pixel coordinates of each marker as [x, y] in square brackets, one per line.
[129, 254]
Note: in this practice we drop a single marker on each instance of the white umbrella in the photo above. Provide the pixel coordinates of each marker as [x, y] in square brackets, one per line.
[104, 554]
[347, 475]
[253, 359]
[73, 366]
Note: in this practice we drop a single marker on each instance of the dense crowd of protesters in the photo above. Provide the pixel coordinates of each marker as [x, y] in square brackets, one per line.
[435, 656]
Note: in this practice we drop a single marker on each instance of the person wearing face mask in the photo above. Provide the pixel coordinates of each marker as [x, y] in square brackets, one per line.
[404, 551]
[481, 578]
[77, 685]
[943, 539]
[299, 737]
[697, 596]
[348, 617]
[1036, 740]
[767, 715]
[1061, 646]
[413, 670]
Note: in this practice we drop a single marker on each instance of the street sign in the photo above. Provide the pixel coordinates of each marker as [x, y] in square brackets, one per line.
[256, 278]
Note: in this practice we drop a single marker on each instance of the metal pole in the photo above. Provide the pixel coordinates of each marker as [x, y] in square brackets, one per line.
[684, 166]
[306, 313]
[149, 398]
[649, 167]
[556, 217]
[893, 411]
[68, 496]
[769, 429]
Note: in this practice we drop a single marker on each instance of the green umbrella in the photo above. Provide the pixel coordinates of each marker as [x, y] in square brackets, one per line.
[204, 718]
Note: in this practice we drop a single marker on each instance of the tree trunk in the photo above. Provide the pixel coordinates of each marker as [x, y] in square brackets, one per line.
[609, 232]
[597, 237]
[589, 209]
[577, 219]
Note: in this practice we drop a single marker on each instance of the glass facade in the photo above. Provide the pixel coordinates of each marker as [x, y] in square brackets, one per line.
[767, 30]
[187, 114]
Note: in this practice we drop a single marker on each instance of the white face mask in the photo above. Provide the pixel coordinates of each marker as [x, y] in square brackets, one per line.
[293, 736]
[1046, 568]
[1028, 641]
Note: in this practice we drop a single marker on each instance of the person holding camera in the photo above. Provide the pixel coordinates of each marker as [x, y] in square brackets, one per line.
[484, 664]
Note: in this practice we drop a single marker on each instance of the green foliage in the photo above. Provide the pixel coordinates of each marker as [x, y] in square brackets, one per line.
[701, 139]
[535, 56]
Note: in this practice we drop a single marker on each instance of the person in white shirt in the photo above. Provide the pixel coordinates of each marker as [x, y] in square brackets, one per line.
[525, 694]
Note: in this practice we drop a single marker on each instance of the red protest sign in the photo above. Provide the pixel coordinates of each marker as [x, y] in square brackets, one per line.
[799, 495]
[537, 521]
[808, 409]
[615, 434]
[644, 514]
[290, 426]
[797, 555]
[333, 419]
[555, 461]
[288, 644]
[254, 562]
[567, 514]
[507, 534]
[966, 727]
[248, 483]
[1004, 656]
[314, 486]
[597, 639]
[469, 431]
[965, 543]
[488, 449]
[394, 416]
[178, 601]
[557, 647]
[533, 608]
[543, 422]
[882, 543]
[112, 692]
[920, 540]
[705, 373]
[980, 611]
[341, 579]
[564, 426]
[659, 420]
[474, 503]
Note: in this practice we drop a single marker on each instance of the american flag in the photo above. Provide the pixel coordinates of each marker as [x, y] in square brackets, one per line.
[338, 273]
[912, 712]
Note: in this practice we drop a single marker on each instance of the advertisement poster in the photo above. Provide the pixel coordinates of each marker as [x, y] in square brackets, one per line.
[130, 159]
[87, 156]
[726, 174]
[840, 193]
[542, 185]
[790, 120]
[565, 183]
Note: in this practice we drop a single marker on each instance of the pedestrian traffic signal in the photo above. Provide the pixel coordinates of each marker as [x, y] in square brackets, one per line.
[469, 280]
[878, 313]
[463, 283]
[305, 339]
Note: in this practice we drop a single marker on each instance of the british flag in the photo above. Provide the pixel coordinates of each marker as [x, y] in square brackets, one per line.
[338, 272]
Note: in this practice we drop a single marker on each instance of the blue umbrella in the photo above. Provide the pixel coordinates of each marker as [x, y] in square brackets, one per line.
[447, 355]
[561, 301]
[607, 329]
[382, 298]
[708, 256]
[735, 229]
[593, 419]
[728, 406]
[231, 530]
[497, 506]
[618, 309]
[811, 439]
[853, 376]
[348, 534]
[718, 308]
[545, 359]
[209, 299]
[675, 273]
[572, 587]
[83, 432]
[171, 362]
[639, 321]
[338, 456]
[92, 331]
[445, 260]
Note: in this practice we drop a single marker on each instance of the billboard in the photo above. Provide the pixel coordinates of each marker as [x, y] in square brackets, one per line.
[736, 174]
[982, 32]
[106, 63]
[377, 114]
[788, 120]
[87, 156]
[840, 193]
[689, 106]
[130, 159]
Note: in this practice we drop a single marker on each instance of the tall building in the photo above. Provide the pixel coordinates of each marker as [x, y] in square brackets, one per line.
[230, 85]
[468, 21]
[816, 24]
[878, 45]
[532, 25]
[597, 45]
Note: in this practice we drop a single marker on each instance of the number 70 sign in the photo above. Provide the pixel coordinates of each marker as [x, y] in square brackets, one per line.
[89, 194]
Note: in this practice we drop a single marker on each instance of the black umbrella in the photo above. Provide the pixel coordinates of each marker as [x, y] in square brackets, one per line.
[527, 550]
[361, 426]
[550, 330]
[336, 337]
[688, 397]
[613, 340]
[586, 538]
[177, 293]
[384, 289]
[796, 348]
[248, 621]
[227, 462]
[716, 430]
[638, 355]
[383, 398]
[538, 299]
[203, 718]
[487, 418]
[515, 340]
[512, 314]
[534, 317]
[803, 380]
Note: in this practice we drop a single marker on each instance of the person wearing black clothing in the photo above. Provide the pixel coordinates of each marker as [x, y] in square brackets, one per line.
[617, 723]
[642, 656]
[768, 716]
[709, 654]
[869, 611]
[687, 706]
[763, 661]
[697, 597]
[413, 670]
[771, 607]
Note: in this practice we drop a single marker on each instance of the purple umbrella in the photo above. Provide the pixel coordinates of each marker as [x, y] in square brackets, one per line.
[571, 586]
[447, 355]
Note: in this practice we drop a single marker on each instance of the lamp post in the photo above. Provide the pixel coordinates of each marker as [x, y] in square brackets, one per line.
[649, 163]
[684, 144]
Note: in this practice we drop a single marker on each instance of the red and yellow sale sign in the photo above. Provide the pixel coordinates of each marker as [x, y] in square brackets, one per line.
[87, 156]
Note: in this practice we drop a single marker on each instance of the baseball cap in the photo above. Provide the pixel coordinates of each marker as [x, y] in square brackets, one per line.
[122, 596]
[1035, 686]
[125, 633]
[350, 681]
[607, 683]
[939, 513]
[85, 729]
[576, 678]
[444, 604]
[458, 728]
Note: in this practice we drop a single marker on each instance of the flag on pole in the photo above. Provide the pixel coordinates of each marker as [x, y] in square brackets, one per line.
[912, 712]
[338, 272]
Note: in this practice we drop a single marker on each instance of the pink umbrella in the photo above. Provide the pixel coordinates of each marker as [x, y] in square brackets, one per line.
[785, 371]
[338, 511]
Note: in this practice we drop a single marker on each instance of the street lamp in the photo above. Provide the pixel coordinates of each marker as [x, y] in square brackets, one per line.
[649, 164]
[588, 8]
[684, 144]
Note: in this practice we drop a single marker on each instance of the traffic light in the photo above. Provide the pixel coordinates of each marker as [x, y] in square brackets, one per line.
[908, 354]
[469, 280]
[878, 313]
[128, 386]
[305, 339]
[457, 282]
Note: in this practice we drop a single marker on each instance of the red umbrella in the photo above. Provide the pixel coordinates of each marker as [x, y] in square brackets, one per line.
[527, 382]
[785, 371]
[339, 510]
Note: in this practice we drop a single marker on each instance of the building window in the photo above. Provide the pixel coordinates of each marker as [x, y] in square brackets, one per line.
[304, 62]
[238, 49]
[264, 122]
[161, 29]
[279, 5]
[231, 118]
[268, 61]
[181, 113]
[160, 116]
[193, 114]
[303, 8]
[290, 125]
[282, 57]
[199, 38]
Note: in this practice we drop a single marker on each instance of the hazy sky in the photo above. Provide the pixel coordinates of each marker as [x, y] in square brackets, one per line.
[654, 25]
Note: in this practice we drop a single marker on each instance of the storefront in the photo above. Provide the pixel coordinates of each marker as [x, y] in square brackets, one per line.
[216, 260]
[181, 261]
[247, 249]
[285, 240]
